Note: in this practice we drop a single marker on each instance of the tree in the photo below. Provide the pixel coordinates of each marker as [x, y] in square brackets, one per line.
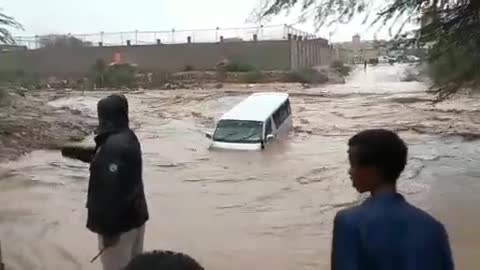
[6, 38]
[448, 27]
[62, 41]
[6, 23]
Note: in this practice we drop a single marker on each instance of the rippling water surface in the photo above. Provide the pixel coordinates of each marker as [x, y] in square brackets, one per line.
[251, 210]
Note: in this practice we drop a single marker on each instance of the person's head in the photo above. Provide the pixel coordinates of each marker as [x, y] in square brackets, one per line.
[112, 113]
[377, 158]
[163, 260]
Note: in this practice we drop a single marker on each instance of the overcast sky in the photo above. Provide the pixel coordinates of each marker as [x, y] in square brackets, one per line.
[92, 16]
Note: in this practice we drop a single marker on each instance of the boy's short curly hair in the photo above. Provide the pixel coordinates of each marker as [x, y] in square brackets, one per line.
[382, 149]
[163, 260]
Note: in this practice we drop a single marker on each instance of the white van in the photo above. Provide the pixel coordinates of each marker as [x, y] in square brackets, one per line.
[254, 122]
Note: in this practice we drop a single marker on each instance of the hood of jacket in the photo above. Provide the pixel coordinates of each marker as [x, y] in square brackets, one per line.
[112, 116]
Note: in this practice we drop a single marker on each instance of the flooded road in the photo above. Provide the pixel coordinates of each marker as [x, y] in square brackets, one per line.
[252, 210]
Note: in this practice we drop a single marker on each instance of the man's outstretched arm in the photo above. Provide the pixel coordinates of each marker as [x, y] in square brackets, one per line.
[81, 153]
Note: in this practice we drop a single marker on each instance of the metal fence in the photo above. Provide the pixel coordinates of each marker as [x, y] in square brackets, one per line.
[273, 32]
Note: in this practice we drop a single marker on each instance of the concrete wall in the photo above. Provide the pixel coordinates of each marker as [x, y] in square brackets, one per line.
[264, 55]
[309, 53]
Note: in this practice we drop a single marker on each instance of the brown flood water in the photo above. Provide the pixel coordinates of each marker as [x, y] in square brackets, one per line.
[251, 210]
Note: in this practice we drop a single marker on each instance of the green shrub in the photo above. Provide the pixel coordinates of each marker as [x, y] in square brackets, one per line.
[254, 76]
[455, 66]
[118, 75]
[238, 67]
[341, 68]
[306, 75]
[121, 75]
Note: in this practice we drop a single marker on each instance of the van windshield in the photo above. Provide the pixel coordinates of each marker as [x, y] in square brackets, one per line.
[237, 131]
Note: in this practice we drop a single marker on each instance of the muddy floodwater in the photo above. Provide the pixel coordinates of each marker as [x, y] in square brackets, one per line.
[252, 210]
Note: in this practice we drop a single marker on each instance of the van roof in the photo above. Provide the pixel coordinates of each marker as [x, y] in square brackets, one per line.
[257, 107]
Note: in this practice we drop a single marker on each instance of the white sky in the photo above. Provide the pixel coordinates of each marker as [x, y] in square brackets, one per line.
[92, 16]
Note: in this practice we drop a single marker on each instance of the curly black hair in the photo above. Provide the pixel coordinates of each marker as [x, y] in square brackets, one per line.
[382, 149]
[163, 260]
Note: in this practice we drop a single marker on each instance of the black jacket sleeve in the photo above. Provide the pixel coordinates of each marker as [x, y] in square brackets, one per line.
[81, 153]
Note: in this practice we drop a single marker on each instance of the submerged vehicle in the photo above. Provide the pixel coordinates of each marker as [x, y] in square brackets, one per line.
[253, 123]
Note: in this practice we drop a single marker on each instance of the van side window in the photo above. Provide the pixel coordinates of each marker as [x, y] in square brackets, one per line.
[276, 118]
[282, 113]
[268, 127]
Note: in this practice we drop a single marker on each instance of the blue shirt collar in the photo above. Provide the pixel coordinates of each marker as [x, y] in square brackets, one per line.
[386, 196]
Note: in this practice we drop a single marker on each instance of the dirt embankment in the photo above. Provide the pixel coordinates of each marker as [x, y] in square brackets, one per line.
[196, 79]
[27, 123]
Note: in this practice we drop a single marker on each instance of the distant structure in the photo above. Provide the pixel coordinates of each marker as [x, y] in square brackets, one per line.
[357, 51]
[356, 41]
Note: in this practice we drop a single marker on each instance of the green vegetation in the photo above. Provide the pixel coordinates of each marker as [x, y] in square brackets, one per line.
[455, 69]
[448, 27]
[115, 76]
[306, 75]
[341, 68]
[236, 66]
[253, 76]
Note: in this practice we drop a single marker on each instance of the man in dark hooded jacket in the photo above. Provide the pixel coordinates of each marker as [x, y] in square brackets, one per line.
[117, 208]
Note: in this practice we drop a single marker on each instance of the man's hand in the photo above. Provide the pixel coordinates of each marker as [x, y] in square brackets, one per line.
[81, 153]
[110, 241]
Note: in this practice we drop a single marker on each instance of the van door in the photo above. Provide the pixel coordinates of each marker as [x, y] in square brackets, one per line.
[283, 118]
[269, 129]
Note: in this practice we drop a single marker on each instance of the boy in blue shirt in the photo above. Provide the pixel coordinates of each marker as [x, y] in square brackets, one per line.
[385, 232]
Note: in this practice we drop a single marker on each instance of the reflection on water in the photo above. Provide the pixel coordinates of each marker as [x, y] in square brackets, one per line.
[250, 210]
